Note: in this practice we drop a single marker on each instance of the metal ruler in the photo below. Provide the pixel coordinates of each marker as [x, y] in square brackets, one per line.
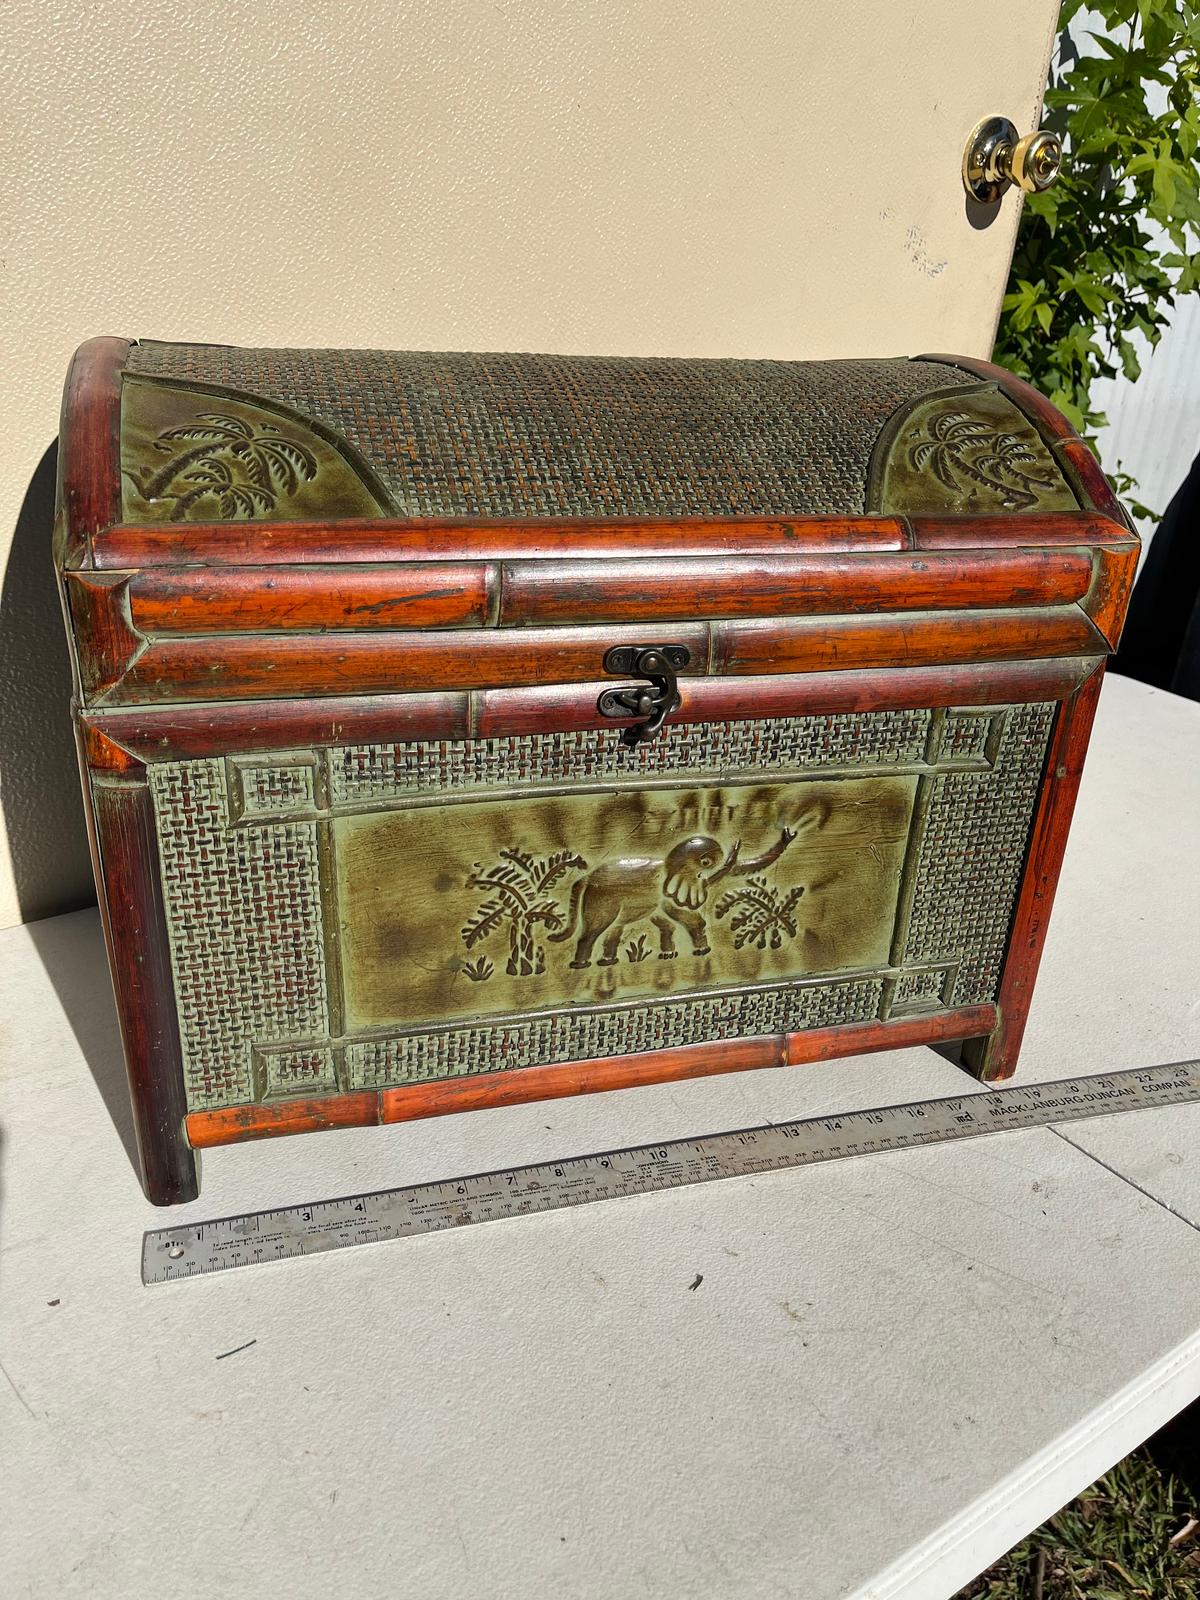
[194, 1248]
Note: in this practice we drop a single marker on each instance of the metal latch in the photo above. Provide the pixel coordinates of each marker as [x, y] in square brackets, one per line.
[653, 702]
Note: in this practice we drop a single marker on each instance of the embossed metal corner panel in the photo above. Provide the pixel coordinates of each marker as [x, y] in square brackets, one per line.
[190, 454]
[969, 453]
[352, 917]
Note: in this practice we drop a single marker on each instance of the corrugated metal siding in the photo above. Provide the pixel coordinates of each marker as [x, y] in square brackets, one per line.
[1154, 424]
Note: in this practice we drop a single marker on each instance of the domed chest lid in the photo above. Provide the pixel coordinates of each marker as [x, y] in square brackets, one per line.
[276, 524]
[214, 433]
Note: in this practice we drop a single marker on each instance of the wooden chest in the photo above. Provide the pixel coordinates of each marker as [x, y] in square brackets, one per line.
[459, 730]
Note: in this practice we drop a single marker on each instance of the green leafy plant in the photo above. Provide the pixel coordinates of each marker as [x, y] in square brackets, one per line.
[1102, 257]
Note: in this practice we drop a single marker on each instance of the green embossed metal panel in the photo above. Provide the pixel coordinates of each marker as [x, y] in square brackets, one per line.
[190, 454]
[358, 916]
[971, 453]
[482, 910]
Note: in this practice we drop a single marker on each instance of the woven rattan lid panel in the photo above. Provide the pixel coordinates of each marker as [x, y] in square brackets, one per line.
[577, 436]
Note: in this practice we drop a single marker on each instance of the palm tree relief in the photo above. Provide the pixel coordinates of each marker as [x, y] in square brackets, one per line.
[517, 893]
[965, 452]
[762, 915]
[242, 468]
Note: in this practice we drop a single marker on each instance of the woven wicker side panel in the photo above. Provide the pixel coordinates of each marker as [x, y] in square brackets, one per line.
[244, 914]
[446, 768]
[458, 1052]
[973, 848]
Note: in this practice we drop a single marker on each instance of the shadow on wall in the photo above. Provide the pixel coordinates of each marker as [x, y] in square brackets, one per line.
[40, 802]
[39, 780]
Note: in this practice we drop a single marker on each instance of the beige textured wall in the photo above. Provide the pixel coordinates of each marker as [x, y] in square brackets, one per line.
[755, 177]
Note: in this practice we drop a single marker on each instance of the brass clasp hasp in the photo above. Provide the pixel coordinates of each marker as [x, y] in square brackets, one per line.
[652, 702]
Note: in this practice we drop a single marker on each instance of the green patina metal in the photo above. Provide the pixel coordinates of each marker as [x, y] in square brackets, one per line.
[967, 453]
[194, 455]
[492, 909]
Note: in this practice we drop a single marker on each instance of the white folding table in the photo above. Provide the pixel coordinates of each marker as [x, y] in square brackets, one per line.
[891, 1370]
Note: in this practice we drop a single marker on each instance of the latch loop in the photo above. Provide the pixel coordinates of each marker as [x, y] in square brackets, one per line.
[653, 702]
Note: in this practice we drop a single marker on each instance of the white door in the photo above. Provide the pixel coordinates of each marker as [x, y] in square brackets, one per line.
[721, 177]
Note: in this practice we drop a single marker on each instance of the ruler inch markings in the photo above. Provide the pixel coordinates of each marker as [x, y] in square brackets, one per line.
[377, 1217]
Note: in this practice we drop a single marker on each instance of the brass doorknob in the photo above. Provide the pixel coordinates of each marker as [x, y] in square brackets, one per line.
[995, 157]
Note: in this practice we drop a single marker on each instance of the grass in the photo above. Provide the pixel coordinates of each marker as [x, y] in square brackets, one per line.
[1133, 1533]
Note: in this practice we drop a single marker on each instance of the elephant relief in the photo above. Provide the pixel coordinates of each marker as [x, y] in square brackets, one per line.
[670, 891]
